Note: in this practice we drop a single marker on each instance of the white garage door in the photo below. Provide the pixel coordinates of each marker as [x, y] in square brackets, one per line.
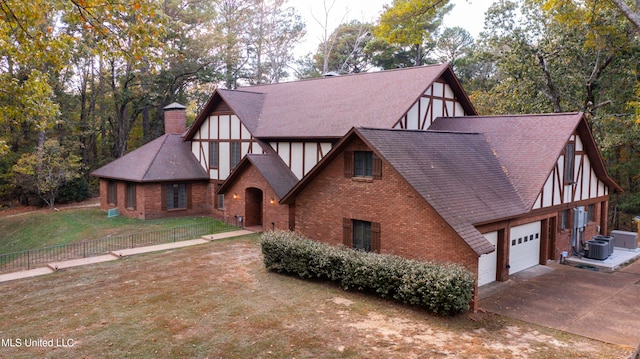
[524, 247]
[487, 263]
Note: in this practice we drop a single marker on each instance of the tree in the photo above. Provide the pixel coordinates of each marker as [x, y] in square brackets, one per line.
[411, 23]
[452, 44]
[632, 14]
[390, 56]
[326, 41]
[274, 32]
[99, 72]
[46, 170]
[349, 49]
[544, 65]
[42, 38]
[253, 40]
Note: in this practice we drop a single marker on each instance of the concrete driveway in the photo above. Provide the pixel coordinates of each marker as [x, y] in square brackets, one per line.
[597, 305]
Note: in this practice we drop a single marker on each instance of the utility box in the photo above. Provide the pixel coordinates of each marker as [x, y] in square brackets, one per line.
[623, 239]
[580, 217]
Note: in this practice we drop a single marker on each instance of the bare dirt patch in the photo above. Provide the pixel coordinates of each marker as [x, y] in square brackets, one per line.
[217, 301]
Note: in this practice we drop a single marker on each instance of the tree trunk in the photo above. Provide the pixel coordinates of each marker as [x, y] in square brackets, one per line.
[632, 14]
[553, 92]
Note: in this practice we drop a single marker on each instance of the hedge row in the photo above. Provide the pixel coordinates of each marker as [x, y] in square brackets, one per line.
[443, 289]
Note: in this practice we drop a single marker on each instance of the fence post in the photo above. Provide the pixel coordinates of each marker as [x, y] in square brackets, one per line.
[131, 240]
[174, 234]
[28, 261]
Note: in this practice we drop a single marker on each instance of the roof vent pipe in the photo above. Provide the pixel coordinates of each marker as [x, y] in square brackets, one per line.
[331, 74]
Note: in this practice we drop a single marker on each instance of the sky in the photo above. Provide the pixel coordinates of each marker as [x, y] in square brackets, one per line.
[468, 14]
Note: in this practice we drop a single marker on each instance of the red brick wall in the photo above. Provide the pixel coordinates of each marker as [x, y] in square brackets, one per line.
[563, 242]
[149, 201]
[175, 121]
[103, 194]
[409, 226]
[274, 215]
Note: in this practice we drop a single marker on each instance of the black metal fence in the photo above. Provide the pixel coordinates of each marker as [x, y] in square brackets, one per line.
[26, 260]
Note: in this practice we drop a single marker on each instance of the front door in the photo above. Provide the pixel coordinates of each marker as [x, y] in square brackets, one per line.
[253, 207]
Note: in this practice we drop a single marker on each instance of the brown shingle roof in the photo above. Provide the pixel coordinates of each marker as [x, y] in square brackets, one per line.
[328, 107]
[247, 105]
[456, 173]
[273, 169]
[167, 158]
[528, 146]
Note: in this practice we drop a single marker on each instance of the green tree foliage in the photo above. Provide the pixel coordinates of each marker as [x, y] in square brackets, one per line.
[275, 30]
[452, 45]
[43, 42]
[615, 118]
[554, 56]
[546, 65]
[411, 23]
[99, 72]
[95, 74]
[350, 52]
[47, 169]
[253, 40]
[632, 13]
[390, 56]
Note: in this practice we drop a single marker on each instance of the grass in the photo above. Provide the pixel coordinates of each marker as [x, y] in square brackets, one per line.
[217, 300]
[46, 228]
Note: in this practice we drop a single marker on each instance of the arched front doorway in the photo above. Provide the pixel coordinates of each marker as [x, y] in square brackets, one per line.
[253, 207]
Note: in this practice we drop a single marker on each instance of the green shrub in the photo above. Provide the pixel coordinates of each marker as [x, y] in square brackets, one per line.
[75, 190]
[443, 289]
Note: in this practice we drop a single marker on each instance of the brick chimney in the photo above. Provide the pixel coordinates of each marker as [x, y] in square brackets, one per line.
[175, 118]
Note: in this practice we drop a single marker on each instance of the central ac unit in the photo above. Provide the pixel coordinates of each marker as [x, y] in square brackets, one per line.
[610, 241]
[597, 249]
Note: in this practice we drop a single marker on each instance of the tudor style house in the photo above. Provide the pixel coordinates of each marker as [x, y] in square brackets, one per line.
[296, 124]
[557, 172]
[394, 162]
[496, 194]
[291, 125]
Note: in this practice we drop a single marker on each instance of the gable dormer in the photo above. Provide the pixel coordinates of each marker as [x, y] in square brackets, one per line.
[221, 135]
[578, 174]
[443, 98]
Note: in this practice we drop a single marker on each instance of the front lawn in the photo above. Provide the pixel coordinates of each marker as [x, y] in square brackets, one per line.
[217, 300]
[46, 228]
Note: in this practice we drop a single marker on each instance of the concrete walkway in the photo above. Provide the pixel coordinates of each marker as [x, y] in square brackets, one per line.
[114, 255]
[593, 304]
